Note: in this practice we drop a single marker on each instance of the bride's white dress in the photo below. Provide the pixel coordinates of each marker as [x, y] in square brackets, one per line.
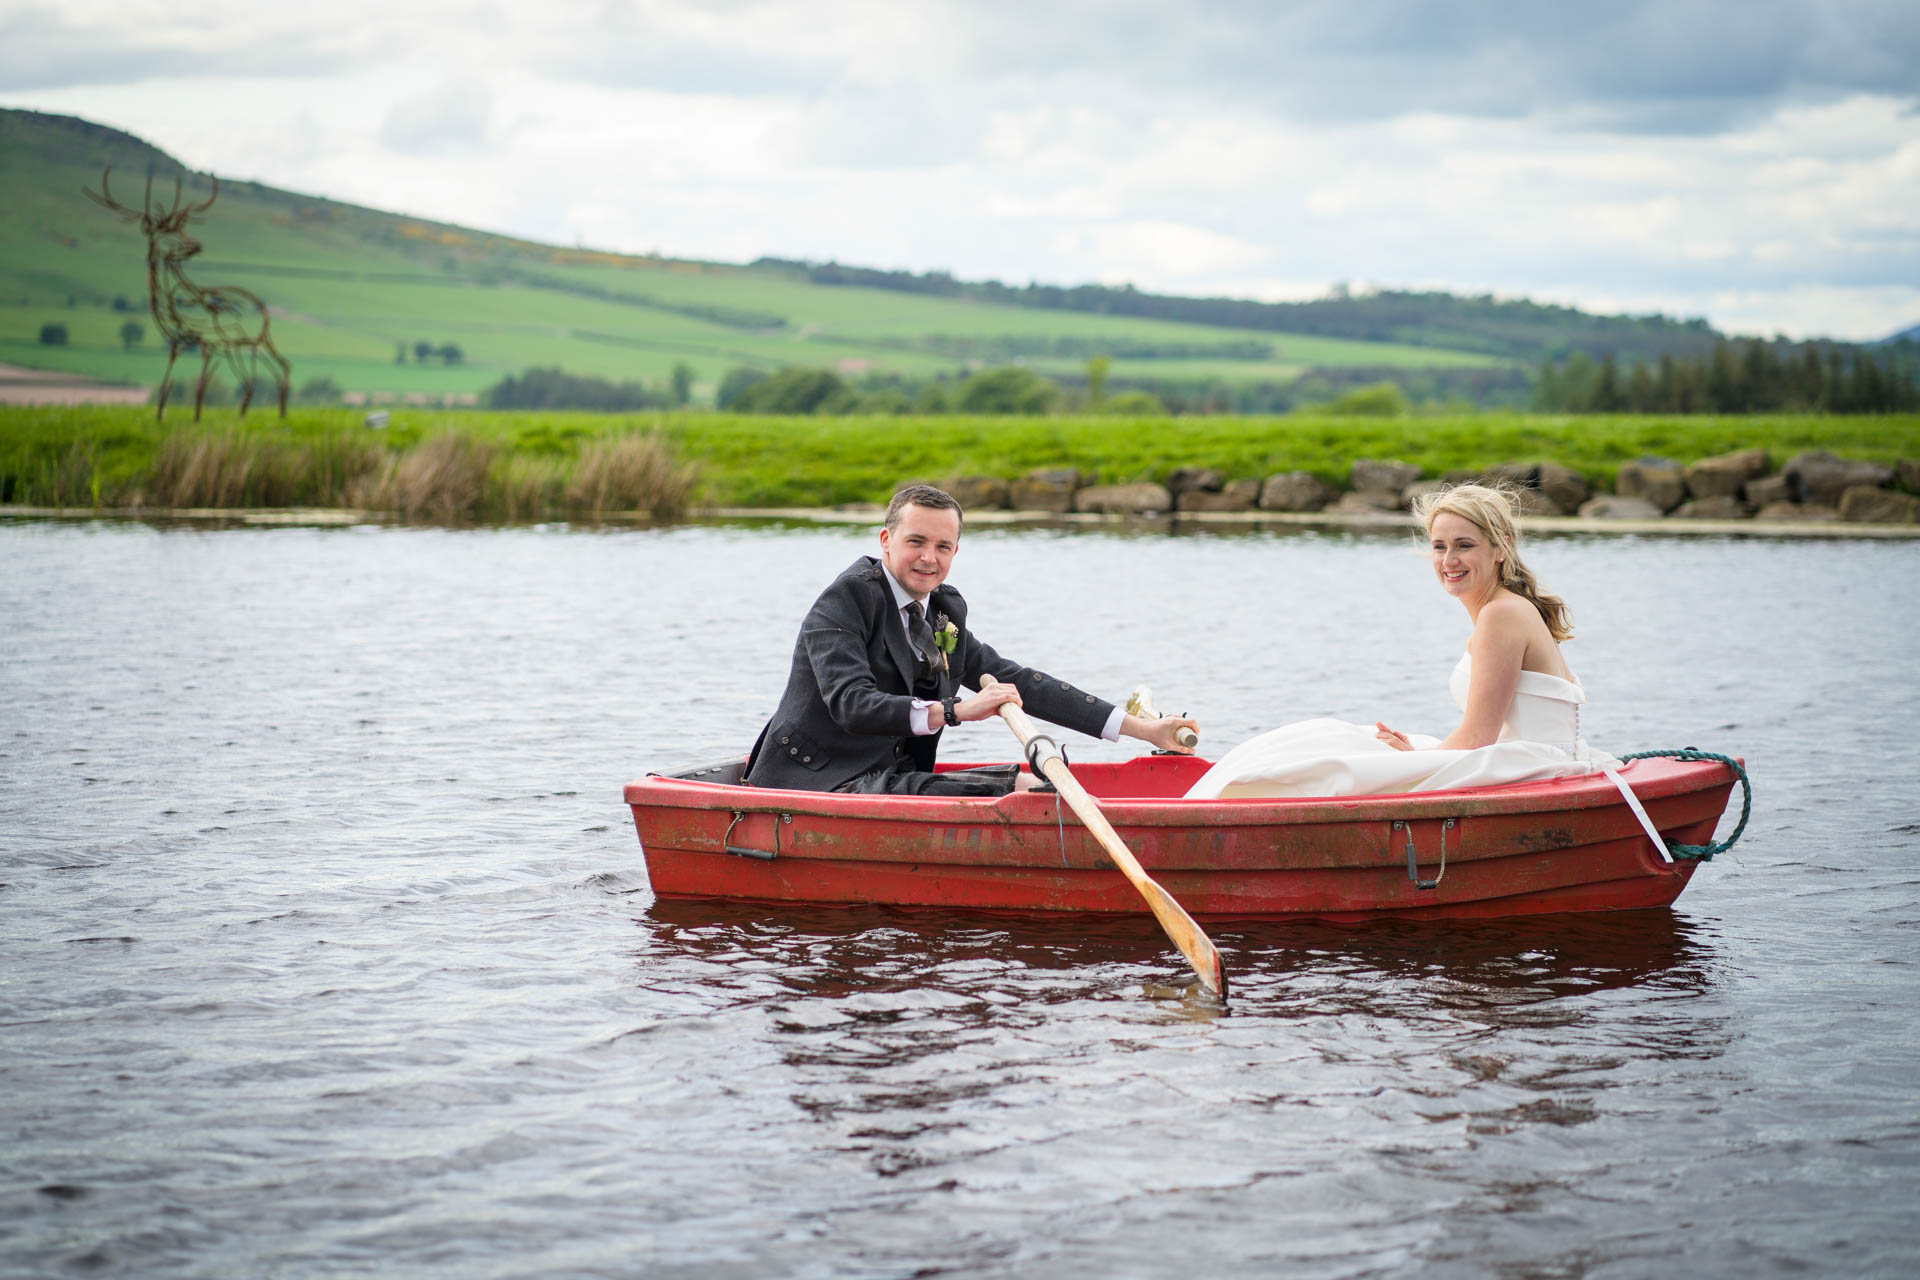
[1539, 739]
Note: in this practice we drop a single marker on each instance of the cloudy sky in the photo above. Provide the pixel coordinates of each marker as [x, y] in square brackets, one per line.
[1756, 162]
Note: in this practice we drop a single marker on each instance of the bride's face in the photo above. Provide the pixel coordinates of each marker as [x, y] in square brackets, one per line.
[1464, 558]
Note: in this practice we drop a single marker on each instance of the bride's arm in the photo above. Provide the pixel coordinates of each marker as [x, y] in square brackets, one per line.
[1497, 647]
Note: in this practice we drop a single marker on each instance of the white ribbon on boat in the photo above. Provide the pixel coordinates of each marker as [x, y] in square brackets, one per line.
[1639, 811]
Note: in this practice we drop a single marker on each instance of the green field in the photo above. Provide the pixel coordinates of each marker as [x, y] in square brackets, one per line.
[107, 455]
[347, 285]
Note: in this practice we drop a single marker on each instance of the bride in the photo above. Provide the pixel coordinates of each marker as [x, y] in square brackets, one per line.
[1520, 703]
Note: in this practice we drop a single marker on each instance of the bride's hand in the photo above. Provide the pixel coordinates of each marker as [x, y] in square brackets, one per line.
[1392, 737]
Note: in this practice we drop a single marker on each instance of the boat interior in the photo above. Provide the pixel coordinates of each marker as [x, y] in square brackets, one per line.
[1143, 777]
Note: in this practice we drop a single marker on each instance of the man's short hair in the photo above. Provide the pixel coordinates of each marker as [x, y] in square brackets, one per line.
[922, 495]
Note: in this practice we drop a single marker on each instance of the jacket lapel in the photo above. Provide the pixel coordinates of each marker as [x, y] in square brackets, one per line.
[895, 631]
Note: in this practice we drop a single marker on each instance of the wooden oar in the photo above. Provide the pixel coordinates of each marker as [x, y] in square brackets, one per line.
[1193, 942]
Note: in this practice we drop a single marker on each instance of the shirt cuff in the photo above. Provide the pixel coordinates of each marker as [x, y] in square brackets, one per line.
[1112, 732]
[917, 720]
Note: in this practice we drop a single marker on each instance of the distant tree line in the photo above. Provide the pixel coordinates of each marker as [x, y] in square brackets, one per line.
[1739, 377]
[1515, 328]
[555, 388]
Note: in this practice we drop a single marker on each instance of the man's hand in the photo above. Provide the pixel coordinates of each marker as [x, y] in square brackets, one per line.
[1163, 732]
[986, 704]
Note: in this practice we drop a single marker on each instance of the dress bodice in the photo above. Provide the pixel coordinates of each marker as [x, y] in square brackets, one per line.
[1544, 709]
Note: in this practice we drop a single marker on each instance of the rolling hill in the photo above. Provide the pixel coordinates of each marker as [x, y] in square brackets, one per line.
[355, 291]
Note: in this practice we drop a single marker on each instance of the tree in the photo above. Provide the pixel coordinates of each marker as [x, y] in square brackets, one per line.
[131, 334]
[1008, 390]
[797, 390]
[1097, 369]
[739, 380]
[53, 335]
[682, 381]
[451, 354]
[319, 390]
[399, 353]
[423, 351]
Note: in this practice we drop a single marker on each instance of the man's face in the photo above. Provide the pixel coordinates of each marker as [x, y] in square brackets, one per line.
[918, 551]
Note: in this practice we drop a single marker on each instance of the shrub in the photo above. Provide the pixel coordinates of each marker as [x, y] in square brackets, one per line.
[1138, 404]
[1381, 400]
[53, 335]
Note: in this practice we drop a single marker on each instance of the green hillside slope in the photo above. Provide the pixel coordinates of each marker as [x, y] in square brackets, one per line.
[350, 287]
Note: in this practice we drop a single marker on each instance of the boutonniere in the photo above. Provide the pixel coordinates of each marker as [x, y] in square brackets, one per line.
[945, 637]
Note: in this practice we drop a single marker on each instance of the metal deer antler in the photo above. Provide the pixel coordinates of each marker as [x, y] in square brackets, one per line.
[224, 321]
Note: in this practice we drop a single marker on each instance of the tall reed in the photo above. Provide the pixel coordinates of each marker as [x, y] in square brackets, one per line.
[634, 472]
[442, 478]
[247, 469]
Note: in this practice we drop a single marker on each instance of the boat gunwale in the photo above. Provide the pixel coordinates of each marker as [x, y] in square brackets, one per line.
[1652, 778]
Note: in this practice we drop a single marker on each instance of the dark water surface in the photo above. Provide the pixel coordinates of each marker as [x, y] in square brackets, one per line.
[326, 947]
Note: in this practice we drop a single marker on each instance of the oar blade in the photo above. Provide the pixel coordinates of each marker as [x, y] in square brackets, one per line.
[1192, 940]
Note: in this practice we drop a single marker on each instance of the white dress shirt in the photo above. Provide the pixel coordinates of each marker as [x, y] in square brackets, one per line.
[920, 720]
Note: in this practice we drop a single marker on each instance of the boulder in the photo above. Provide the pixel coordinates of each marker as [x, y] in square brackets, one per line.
[1869, 504]
[978, 493]
[1368, 502]
[1798, 511]
[1188, 479]
[1616, 506]
[1907, 472]
[1532, 502]
[1768, 490]
[1719, 507]
[1420, 489]
[1048, 489]
[1294, 491]
[1819, 476]
[1658, 480]
[1372, 474]
[1123, 499]
[1725, 475]
[1563, 485]
[1236, 495]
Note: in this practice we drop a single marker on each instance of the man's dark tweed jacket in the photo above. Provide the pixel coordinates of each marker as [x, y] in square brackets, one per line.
[849, 694]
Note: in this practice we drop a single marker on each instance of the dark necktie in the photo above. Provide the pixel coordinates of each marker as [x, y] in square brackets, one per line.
[919, 633]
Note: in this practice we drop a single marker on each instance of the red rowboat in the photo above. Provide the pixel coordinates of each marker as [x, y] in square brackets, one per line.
[1566, 845]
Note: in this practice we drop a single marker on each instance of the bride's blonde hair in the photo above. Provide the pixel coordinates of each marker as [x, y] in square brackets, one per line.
[1490, 508]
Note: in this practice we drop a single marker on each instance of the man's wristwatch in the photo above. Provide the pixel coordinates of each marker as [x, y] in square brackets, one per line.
[948, 710]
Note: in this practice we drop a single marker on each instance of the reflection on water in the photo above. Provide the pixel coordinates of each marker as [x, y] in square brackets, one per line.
[328, 948]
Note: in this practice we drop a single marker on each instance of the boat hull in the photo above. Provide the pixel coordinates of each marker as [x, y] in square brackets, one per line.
[1566, 845]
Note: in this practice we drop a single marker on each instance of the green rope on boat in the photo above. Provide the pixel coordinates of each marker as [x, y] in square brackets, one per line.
[1704, 852]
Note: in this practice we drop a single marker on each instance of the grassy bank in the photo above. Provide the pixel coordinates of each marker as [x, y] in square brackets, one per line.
[437, 464]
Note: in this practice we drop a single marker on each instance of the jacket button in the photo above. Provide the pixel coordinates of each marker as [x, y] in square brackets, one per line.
[793, 751]
[1089, 697]
[785, 741]
[806, 759]
[1065, 685]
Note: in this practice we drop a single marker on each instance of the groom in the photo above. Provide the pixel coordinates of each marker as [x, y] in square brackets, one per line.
[878, 669]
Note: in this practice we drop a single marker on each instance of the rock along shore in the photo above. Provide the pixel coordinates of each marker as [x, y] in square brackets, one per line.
[1812, 488]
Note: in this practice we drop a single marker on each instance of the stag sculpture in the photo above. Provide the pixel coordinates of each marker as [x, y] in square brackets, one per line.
[225, 321]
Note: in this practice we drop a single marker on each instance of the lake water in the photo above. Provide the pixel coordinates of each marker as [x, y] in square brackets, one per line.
[326, 946]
